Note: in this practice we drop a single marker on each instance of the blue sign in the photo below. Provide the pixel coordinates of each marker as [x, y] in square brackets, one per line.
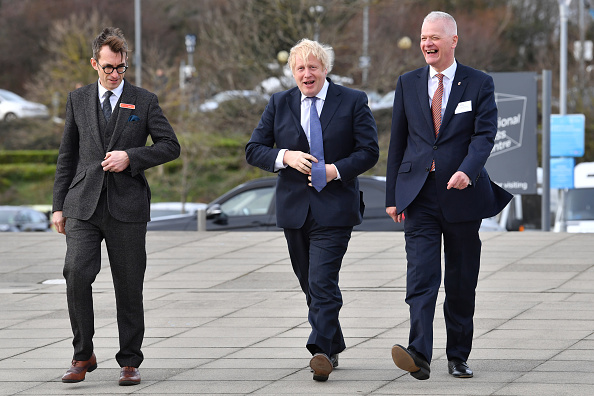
[568, 135]
[562, 172]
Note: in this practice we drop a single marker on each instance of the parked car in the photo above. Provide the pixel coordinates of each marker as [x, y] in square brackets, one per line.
[21, 218]
[175, 216]
[252, 97]
[13, 106]
[251, 206]
[576, 209]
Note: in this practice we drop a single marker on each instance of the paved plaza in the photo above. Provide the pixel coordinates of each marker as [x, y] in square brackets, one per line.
[225, 316]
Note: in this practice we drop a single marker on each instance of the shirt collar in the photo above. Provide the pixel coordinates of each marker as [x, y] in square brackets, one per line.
[450, 72]
[117, 92]
[321, 94]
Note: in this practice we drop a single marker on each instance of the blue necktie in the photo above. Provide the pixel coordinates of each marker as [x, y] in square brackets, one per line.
[316, 144]
[107, 106]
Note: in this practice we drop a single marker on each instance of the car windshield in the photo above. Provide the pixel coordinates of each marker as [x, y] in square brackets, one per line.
[10, 96]
[7, 216]
[579, 204]
[249, 203]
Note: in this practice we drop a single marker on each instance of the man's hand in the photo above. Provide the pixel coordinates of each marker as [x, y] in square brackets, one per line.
[115, 161]
[459, 180]
[59, 222]
[299, 160]
[393, 213]
[331, 174]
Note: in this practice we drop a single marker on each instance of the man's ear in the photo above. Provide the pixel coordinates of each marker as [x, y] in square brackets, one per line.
[94, 63]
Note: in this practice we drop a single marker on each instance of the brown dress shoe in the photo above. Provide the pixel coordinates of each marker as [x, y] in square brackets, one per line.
[129, 376]
[79, 368]
[321, 366]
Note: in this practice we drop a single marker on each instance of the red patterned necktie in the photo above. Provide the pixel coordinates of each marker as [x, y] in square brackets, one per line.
[436, 108]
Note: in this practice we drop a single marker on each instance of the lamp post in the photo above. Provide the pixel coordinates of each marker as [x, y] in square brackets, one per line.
[404, 43]
[365, 60]
[563, 8]
[282, 57]
[316, 12]
[138, 43]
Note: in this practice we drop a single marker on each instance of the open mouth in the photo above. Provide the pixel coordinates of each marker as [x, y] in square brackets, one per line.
[309, 83]
[432, 51]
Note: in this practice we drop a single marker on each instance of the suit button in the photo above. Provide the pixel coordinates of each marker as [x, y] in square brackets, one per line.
[434, 147]
[427, 169]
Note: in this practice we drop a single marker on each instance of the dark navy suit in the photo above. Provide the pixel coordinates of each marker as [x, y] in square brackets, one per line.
[318, 224]
[464, 143]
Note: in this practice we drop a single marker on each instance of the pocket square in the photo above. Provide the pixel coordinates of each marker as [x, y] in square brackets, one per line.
[133, 118]
[463, 107]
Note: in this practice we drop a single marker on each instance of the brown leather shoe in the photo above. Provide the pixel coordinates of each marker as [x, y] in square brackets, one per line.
[321, 366]
[79, 368]
[129, 376]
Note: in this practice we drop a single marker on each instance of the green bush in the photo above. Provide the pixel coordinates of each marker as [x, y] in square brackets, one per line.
[28, 156]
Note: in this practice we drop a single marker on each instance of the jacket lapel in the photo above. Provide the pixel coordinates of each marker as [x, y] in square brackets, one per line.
[128, 97]
[92, 105]
[294, 102]
[423, 96]
[331, 104]
[458, 87]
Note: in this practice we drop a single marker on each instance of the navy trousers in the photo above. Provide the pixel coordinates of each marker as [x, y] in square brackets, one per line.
[316, 255]
[423, 230]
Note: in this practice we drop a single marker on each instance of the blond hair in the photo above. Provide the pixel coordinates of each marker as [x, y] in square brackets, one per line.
[305, 47]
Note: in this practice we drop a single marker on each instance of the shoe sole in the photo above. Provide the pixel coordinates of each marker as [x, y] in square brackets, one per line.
[67, 381]
[462, 375]
[128, 383]
[321, 367]
[405, 361]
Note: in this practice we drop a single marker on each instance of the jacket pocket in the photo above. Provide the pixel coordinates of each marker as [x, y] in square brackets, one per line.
[405, 167]
[79, 176]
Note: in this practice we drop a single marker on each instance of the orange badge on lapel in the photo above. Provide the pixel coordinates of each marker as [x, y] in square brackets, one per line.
[127, 106]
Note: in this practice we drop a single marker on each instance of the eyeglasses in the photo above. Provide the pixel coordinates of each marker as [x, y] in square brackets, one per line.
[110, 69]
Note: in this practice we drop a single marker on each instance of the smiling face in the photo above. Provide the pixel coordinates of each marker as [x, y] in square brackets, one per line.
[438, 41]
[309, 75]
[109, 58]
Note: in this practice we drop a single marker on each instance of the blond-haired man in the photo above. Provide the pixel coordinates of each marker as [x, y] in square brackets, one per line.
[319, 137]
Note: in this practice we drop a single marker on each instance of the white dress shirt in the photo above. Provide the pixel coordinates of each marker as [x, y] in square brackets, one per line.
[305, 111]
[448, 79]
[113, 99]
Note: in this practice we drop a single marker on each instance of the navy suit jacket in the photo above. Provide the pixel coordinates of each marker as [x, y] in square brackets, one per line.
[464, 143]
[79, 174]
[350, 142]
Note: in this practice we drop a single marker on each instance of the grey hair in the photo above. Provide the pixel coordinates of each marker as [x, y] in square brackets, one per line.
[450, 23]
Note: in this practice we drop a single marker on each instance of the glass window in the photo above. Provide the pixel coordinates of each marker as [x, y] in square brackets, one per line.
[249, 203]
[580, 204]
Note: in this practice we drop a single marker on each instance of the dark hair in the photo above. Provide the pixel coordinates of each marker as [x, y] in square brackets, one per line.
[112, 37]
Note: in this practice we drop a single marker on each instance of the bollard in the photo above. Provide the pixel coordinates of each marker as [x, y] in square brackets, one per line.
[201, 213]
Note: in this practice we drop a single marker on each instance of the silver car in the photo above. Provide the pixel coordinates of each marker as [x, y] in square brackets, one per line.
[22, 218]
[13, 106]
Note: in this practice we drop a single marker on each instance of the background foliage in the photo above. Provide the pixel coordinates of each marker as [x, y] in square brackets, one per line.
[45, 47]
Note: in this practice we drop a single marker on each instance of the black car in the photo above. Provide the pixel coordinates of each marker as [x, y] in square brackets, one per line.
[251, 207]
[21, 218]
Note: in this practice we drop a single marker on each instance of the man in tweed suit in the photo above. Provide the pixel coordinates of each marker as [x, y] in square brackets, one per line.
[101, 193]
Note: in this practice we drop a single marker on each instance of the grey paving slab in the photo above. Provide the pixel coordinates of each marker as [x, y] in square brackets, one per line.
[225, 315]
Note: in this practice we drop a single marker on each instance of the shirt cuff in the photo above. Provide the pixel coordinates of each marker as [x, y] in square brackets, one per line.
[279, 163]
[337, 172]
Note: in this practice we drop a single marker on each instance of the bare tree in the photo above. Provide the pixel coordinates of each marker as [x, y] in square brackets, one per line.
[66, 63]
